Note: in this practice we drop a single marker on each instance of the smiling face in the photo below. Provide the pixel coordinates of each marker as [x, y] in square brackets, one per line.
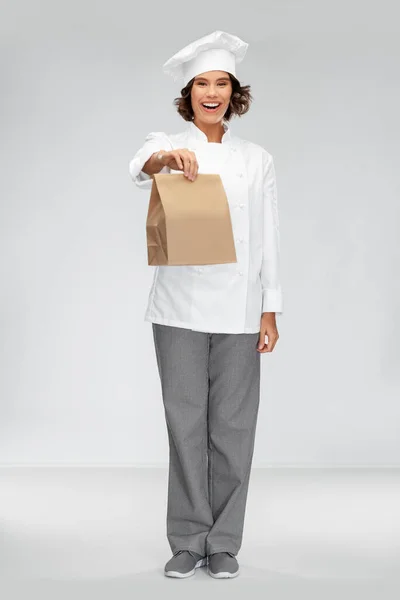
[214, 88]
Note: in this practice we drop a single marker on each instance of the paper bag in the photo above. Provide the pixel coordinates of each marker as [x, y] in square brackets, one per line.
[189, 222]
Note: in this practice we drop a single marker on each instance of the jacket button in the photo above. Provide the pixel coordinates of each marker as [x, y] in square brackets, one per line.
[242, 206]
[240, 174]
[240, 272]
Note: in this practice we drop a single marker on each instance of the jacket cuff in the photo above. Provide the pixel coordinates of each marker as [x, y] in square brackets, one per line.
[154, 142]
[272, 301]
[135, 168]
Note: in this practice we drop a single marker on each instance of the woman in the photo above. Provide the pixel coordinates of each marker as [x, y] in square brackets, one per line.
[210, 322]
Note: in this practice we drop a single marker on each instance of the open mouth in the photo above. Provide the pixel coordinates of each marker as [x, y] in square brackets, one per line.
[211, 106]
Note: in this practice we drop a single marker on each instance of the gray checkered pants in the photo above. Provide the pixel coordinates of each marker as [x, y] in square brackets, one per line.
[211, 388]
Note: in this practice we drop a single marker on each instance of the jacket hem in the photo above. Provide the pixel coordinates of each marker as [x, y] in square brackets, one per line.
[195, 327]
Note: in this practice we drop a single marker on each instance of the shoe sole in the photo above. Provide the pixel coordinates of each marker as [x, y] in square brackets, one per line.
[178, 575]
[223, 574]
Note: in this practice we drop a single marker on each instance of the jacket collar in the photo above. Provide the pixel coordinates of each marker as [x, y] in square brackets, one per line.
[195, 132]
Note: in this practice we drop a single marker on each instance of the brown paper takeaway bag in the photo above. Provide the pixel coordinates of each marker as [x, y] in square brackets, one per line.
[189, 222]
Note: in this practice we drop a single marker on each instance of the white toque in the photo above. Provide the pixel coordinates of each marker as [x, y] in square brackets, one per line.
[218, 51]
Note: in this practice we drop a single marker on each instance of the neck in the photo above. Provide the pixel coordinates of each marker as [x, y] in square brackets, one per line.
[213, 131]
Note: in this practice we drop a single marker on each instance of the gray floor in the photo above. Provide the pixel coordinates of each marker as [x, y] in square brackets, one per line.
[309, 533]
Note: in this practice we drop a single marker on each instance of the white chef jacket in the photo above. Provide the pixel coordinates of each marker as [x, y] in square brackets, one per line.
[222, 298]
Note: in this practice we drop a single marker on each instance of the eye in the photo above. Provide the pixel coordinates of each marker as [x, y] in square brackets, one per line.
[223, 83]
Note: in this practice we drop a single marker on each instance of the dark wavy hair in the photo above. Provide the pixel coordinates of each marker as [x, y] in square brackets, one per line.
[239, 104]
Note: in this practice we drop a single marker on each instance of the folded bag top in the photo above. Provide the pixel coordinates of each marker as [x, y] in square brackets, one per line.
[189, 222]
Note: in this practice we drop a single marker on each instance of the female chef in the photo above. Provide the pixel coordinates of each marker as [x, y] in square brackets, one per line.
[210, 322]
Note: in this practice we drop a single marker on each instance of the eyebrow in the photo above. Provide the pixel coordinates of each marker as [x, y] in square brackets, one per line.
[219, 78]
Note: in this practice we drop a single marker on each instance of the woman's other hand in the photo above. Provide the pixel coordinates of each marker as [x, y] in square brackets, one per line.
[267, 328]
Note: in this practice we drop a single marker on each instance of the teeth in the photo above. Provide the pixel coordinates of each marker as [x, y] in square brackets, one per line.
[211, 105]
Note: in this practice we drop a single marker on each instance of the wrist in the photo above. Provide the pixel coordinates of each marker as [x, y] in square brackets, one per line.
[160, 156]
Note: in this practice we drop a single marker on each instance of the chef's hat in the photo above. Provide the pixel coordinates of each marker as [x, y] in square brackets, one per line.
[218, 51]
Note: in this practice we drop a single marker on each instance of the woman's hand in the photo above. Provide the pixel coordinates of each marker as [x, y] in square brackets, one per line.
[267, 328]
[181, 159]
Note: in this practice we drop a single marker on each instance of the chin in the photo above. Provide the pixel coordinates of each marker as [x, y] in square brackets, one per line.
[213, 118]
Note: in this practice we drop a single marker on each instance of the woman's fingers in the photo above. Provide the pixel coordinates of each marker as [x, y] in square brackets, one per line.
[192, 168]
[195, 166]
[185, 161]
[177, 159]
[272, 335]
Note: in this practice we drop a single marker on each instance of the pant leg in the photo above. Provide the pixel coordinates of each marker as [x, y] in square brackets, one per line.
[182, 358]
[234, 370]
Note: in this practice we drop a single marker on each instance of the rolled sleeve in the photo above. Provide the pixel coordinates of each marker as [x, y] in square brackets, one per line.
[154, 141]
[272, 297]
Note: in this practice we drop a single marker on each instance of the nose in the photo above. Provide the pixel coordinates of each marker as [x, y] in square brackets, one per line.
[212, 93]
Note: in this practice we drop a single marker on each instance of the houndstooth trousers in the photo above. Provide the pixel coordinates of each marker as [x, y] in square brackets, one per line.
[210, 386]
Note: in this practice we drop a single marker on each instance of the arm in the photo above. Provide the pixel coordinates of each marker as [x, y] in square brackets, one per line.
[272, 298]
[146, 158]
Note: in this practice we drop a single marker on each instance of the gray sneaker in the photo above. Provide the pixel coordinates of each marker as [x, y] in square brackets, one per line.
[222, 565]
[184, 564]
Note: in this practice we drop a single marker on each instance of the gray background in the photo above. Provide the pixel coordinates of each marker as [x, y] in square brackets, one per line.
[81, 87]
